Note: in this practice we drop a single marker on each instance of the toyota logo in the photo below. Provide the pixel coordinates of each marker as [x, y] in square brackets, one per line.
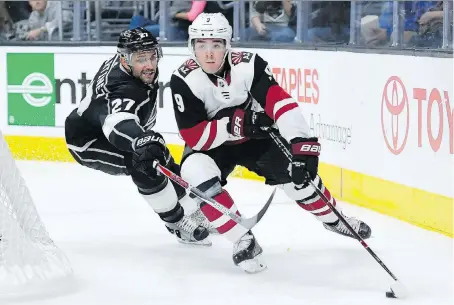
[395, 115]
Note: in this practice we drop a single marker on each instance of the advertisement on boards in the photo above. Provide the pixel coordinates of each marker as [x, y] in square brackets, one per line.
[310, 81]
[373, 113]
[43, 88]
[414, 109]
[417, 121]
[430, 107]
[31, 96]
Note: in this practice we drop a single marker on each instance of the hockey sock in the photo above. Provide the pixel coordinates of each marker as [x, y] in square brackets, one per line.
[318, 207]
[225, 226]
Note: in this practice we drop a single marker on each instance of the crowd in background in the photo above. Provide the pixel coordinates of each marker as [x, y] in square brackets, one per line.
[271, 21]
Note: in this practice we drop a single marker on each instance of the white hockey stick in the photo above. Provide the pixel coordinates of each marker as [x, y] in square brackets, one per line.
[248, 223]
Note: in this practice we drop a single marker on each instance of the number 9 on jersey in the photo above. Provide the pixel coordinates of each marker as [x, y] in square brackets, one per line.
[179, 100]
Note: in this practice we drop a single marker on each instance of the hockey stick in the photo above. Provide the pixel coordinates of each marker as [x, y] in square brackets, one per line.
[397, 289]
[248, 223]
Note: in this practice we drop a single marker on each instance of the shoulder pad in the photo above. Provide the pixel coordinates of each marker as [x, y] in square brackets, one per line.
[188, 66]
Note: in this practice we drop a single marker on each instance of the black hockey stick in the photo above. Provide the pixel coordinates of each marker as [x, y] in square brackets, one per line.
[397, 289]
[248, 223]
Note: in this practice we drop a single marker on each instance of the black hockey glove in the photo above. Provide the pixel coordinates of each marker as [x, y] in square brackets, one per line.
[148, 147]
[305, 152]
[248, 123]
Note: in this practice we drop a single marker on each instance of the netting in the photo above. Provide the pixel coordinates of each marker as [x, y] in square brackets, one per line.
[27, 253]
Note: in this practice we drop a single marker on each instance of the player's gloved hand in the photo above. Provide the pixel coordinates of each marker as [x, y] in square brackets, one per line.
[248, 123]
[148, 147]
[305, 152]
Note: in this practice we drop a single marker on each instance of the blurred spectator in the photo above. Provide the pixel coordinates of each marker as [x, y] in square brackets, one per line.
[182, 13]
[44, 19]
[430, 32]
[371, 33]
[413, 10]
[6, 24]
[270, 21]
[422, 24]
[434, 13]
[330, 21]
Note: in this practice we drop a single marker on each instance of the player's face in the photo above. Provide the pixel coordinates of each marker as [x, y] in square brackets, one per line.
[144, 65]
[210, 53]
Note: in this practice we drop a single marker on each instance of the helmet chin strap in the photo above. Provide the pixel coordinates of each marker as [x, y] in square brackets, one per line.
[221, 66]
[127, 60]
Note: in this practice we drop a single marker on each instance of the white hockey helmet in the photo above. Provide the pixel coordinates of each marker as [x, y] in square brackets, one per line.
[210, 26]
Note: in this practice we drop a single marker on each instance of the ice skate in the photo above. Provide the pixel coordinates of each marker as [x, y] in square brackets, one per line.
[189, 232]
[200, 218]
[359, 226]
[247, 254]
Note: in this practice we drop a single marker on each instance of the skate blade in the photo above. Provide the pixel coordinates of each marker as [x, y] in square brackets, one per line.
[252, 266]
[201, 243]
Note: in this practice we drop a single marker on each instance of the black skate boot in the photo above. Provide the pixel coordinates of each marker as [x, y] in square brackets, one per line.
[359, 226]
[247, 254]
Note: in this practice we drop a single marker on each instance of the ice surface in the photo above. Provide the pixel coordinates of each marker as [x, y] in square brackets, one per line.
[122, 254]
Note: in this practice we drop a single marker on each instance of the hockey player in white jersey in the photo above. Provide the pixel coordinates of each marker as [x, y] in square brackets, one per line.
[222, 101]
[111, 131]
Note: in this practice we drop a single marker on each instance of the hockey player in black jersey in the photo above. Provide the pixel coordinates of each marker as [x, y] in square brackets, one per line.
[222, 101]
[111, 130]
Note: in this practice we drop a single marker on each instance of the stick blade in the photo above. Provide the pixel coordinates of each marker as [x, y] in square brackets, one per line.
[399, 290]
[249, 223]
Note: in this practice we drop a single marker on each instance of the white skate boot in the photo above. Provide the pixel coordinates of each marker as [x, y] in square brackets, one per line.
[359, 226]
[189, 232]
[200, 218]
[247, 254]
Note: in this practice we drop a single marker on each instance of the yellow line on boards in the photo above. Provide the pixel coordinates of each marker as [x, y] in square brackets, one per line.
[424, 209]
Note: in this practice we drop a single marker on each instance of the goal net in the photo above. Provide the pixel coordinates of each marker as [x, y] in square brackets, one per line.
[27, 253]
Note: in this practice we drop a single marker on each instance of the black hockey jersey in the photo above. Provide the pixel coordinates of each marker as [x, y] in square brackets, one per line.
[203, 102]
[117, 106]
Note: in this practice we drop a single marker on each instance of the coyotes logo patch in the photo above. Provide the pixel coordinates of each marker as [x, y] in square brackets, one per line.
[238, 57]
[186, 68]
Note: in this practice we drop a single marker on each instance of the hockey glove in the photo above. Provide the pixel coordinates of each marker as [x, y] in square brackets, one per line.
[249, 124]
[305, 152]
[148, 147]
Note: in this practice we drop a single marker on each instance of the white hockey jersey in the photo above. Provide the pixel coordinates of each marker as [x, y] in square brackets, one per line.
[204, 102]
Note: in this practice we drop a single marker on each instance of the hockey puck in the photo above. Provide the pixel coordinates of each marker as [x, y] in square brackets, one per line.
[390, 294]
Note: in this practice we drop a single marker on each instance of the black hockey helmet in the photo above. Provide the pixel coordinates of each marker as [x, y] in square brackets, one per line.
[137, 40]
